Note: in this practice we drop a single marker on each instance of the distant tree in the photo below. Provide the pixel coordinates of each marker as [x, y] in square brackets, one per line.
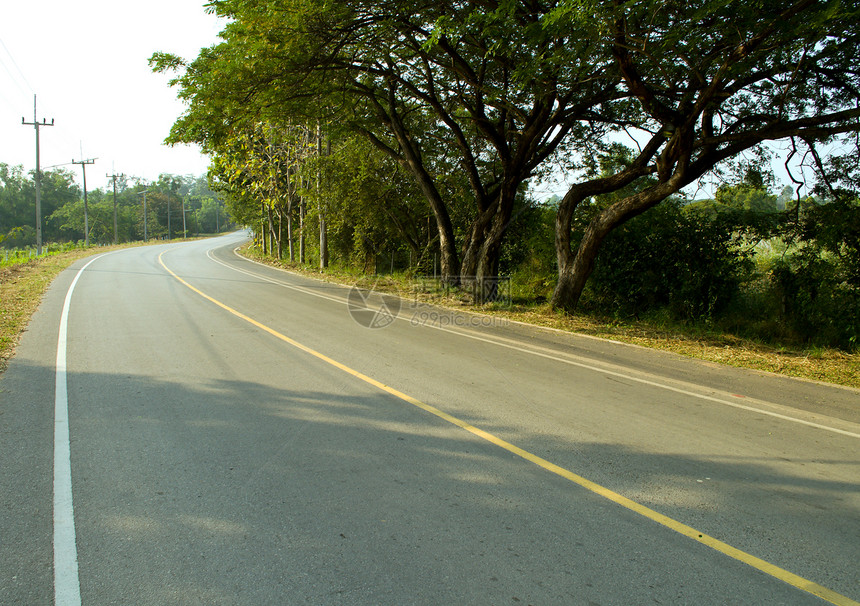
[18, 204]
[373, 205]
[16, 210]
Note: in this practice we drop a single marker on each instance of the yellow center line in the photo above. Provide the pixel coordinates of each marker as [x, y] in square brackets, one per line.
[679, 527]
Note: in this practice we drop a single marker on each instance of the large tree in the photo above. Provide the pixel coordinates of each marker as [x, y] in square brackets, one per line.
[488, 89]
[707, 81]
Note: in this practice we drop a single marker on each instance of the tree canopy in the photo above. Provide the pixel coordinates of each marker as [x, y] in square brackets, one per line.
[707, 81]
[489, 94]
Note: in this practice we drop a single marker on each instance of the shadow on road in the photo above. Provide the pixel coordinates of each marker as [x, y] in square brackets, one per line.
[233, 492]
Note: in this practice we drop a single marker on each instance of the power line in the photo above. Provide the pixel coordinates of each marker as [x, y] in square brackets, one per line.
[16, 79]
[15, 63]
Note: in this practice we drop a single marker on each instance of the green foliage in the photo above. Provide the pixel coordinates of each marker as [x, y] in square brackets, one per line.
[672, 258]
[530, 257]
[745, 198]
[733, 263]
[820, 305]
[372, 205]
[790, 277]
[18, 205]
[470, 101]
[818, 280]
[16, 255]
[19, 237]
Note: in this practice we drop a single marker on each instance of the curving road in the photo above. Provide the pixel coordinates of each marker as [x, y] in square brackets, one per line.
[243, 435]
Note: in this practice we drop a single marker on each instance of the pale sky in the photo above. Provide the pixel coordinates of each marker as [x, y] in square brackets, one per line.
[87, 62]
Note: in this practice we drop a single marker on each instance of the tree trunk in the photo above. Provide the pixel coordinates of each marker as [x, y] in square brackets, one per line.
[302, 230]
[574, 270]
[280, 232]
[289, 213]
[263, 232]
[482, 251]
[323, 244]
[290, 235]
[271, 230]
[449, 261]
[411, 159]
[321, 205]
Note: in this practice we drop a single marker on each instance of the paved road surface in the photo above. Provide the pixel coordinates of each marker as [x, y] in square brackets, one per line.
[239, 435]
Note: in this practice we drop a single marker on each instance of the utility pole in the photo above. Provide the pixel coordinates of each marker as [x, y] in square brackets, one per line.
[36, 124]
[115, 234]
[83, 164]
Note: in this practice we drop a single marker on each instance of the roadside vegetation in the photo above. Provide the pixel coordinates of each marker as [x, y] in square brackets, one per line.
[110, 219]
[382, 138]
[22, 285]
[419, 130]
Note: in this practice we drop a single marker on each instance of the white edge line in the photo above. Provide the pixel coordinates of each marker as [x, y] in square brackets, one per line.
[67, 588]
[597, 369]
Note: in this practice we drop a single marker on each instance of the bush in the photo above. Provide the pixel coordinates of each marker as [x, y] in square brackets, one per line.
[819, 282]
[529, 255]
[681, 260]
[819, 304]
[19, 237]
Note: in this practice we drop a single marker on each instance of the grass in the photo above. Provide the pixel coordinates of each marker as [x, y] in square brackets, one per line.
[817, 364]
[16, 256]
[22, 287]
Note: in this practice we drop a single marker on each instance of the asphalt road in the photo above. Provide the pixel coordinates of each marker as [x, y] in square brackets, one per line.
[242, 435]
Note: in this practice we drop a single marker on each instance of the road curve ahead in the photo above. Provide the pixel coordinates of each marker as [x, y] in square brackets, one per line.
[238, 434]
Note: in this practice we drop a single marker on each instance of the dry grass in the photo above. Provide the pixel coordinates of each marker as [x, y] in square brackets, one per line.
[818, 364]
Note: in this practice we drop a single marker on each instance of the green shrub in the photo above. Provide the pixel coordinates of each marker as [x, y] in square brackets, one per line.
[819, 303]
[685, 261]
[818, 280]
